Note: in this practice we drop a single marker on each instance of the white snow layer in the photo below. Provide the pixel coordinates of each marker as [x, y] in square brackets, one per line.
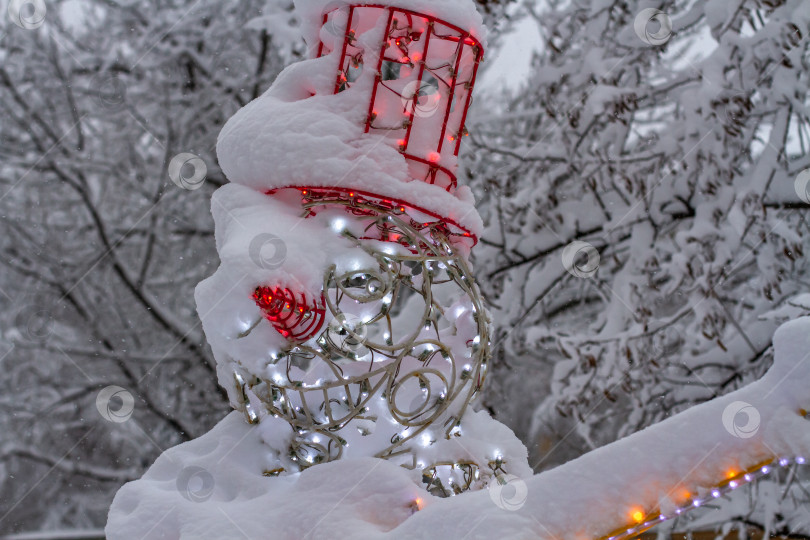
[213, 488]
[461, 13]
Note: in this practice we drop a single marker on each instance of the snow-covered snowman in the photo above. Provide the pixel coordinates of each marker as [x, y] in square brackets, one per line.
[347, 326]
[345, 318]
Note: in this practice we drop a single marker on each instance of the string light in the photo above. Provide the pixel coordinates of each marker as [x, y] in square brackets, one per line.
[338, 225]
[643, 523]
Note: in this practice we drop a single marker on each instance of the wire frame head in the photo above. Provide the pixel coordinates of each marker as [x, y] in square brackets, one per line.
[421, 71]
[402, 352]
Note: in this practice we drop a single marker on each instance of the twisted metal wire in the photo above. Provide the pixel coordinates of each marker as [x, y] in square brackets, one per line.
[413, 259]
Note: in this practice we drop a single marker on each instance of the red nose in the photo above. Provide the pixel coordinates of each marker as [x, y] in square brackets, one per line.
[294, 316]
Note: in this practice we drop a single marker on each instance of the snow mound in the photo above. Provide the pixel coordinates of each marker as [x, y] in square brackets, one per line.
[213, 488]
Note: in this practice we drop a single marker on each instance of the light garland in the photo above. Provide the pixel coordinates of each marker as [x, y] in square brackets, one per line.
[645, 521]
[446, 479]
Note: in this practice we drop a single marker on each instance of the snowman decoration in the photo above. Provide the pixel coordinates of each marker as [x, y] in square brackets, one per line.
[345, 318]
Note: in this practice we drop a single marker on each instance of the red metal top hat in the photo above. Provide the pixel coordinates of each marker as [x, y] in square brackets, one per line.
[425, 70]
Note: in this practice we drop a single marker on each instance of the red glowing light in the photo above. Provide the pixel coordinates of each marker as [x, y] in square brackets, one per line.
[294, 316]
[434, 157]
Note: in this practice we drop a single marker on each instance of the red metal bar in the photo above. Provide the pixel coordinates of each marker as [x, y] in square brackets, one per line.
[467, 105]
[378, 75]
[418, 84]
[320, 42]
[459, 53]
[445, 170]
[345, 45]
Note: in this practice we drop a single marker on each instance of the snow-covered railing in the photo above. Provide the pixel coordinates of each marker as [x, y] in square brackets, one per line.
[618, 487]
[90, 534]
[689, 501]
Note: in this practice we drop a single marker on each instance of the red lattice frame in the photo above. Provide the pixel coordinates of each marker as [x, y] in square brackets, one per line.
[348, 197]
[456, 74]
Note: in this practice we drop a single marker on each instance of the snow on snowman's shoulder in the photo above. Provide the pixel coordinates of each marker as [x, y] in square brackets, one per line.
[213, 487]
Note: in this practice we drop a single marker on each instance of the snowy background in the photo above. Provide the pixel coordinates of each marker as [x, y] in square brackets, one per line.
[643, 190]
